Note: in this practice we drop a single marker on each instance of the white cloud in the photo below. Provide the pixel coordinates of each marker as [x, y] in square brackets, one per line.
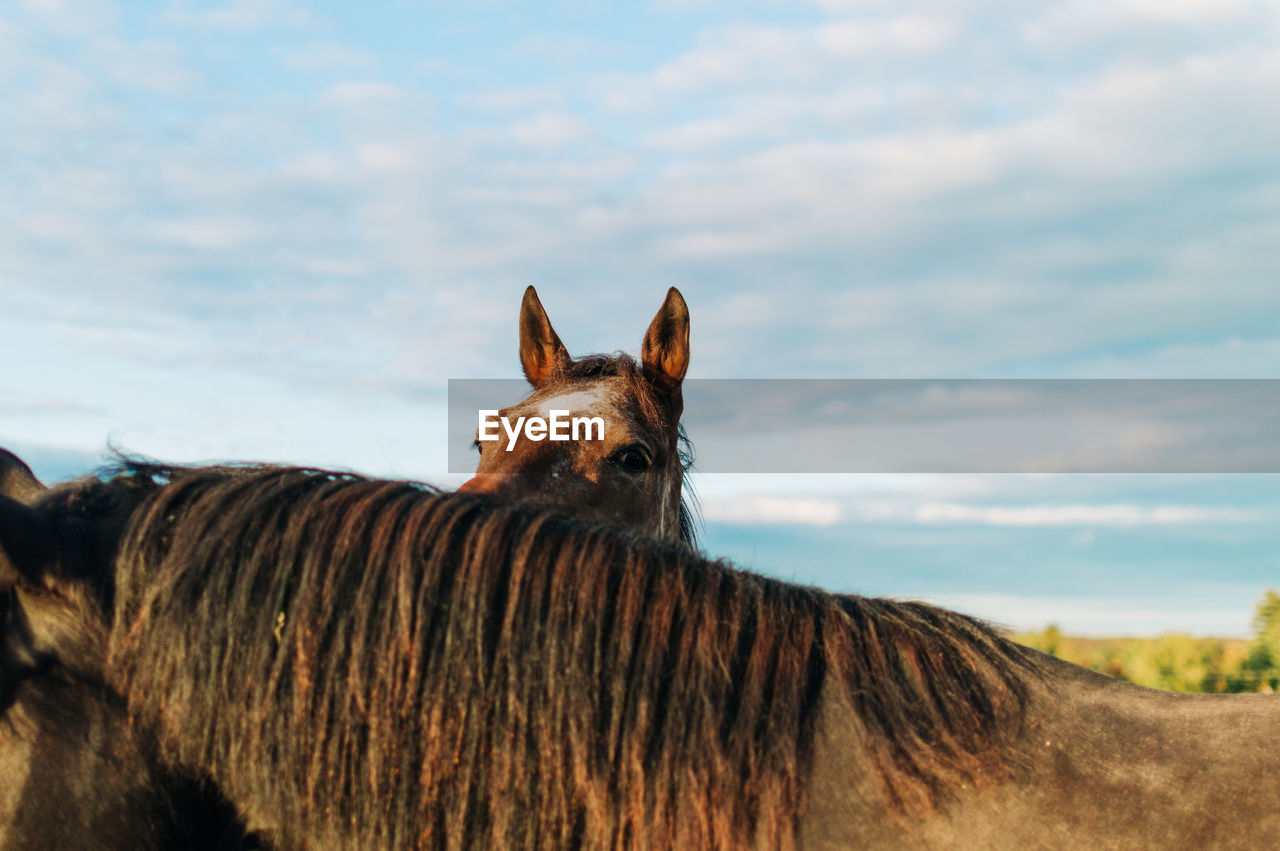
[327, 56]
[388, 157]
[240, 15]
[761, 58]
[1227, 616]
[773, 511]
[71, 17]
[361, 93]
[1122, 515]
[223, 235]
[519, 99]
[1231, 357]
[1143, 24]
[549, 130]
[906, 34]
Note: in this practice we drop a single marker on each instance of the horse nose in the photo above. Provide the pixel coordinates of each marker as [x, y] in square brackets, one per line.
[483, 483]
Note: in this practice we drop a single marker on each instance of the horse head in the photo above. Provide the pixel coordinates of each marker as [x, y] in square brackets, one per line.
[626, 467]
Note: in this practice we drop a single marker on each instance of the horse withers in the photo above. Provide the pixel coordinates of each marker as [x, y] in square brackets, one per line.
[632, 474]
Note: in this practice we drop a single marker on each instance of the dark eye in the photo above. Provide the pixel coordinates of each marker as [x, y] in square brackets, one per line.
[476, 444]
[632, 459]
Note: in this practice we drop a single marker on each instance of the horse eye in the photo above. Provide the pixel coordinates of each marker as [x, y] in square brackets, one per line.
[632, 459]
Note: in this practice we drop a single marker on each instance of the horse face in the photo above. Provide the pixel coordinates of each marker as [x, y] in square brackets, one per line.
[624, 470]
[629, 475]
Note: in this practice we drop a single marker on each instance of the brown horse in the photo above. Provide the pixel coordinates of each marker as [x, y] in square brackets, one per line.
[370, 664]
[73, 773]
[632, 475]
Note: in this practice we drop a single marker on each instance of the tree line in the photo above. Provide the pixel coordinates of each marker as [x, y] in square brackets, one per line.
[1178, 662]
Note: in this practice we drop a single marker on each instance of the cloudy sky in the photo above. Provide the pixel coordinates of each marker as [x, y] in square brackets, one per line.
[273, 230]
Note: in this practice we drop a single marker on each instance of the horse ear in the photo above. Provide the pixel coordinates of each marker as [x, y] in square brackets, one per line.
[665, 354]
[16, 479]
[26, 544]
[541, 352]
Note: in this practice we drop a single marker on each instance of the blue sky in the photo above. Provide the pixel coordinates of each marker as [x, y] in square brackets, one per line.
[273, 230]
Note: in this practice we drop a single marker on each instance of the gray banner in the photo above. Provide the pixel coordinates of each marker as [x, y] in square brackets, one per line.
[951, 426]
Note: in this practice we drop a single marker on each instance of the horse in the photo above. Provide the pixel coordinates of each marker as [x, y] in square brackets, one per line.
[632, 475]
[73, 773]
[373, 664]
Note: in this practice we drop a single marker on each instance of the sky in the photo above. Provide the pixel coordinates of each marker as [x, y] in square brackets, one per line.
[274, 230]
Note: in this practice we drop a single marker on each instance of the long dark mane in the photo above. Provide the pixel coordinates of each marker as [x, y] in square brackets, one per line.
[374, 664]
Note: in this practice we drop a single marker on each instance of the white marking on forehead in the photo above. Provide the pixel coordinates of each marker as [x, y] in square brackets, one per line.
[575, 402]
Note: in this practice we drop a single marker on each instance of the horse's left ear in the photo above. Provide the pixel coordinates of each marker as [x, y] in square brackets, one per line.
[26, 545]
[665, 354]
[541, 352]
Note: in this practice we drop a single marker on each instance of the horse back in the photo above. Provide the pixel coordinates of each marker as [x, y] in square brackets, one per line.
[1098, 763]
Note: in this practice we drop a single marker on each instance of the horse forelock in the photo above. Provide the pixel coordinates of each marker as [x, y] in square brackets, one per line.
[524, 678]
[621, 366]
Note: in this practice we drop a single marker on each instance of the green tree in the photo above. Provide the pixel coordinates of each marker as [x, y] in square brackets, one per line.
[1180, 662]
[1261, 669]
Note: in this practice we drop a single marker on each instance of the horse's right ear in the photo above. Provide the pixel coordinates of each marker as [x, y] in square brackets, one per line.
[665, 352]
[26, 544]
[541, 352]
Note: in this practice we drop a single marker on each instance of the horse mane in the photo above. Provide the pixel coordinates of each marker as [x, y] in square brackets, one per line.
[623, 365]
[345, 655]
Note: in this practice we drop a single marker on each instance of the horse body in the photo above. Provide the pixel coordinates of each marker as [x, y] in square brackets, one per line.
[1098, 763]
[73, 775]
[631, 476]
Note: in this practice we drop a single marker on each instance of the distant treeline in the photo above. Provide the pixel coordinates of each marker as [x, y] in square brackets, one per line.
[1180, 662]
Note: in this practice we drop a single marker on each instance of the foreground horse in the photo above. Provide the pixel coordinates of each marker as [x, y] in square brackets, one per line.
[633, 477]
[368, 664]
[73, 773]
